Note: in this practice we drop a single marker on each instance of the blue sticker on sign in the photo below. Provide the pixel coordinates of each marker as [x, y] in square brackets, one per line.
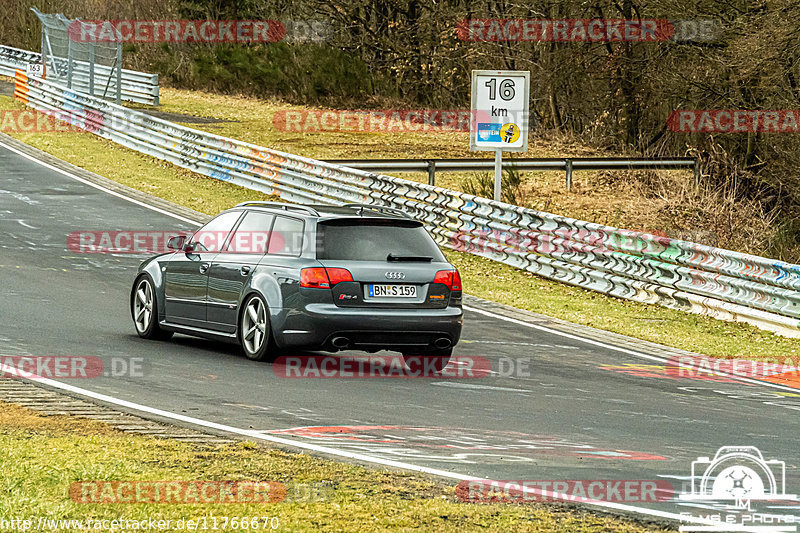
[371, 290]
[489, 132]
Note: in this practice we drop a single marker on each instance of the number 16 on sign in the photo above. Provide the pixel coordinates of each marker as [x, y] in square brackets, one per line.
[499, 119]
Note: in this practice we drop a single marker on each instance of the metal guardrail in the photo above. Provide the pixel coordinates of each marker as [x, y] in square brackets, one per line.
[627, 264]
[139, 87]
[568, 164]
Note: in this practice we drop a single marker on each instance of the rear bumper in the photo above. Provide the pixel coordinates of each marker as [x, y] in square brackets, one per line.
[318, 324]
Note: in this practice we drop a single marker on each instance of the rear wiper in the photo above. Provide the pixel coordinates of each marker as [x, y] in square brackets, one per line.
[420, 258]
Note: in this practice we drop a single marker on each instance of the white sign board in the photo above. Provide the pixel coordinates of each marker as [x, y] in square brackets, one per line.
[34, 70]
[499, 119]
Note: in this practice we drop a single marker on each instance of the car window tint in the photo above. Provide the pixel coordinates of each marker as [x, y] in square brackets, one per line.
[252, 235]
[374, 240]
[212, 236]
[286, 237]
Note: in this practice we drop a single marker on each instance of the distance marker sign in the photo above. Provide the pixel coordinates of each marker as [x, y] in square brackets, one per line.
[499, 119]
[34, 70]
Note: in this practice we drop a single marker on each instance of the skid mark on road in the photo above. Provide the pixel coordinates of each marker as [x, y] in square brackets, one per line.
[457, 445]
[660, 372]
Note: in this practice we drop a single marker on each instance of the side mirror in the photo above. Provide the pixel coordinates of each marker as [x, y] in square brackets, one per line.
[176, 243]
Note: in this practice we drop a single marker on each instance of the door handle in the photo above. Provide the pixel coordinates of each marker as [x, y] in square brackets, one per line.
[245, 270]
[204, 267]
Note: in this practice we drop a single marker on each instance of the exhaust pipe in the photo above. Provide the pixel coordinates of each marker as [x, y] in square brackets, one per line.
[442, 343]
[341, 342]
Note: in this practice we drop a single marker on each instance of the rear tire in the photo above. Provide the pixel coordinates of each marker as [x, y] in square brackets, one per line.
[439, 359]
[144, 309]
[254, 330]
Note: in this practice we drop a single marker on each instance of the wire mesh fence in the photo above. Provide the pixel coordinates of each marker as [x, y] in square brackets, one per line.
[87, 66]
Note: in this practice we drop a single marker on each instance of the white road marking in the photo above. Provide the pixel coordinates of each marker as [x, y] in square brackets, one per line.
[100, 187]
[22, 223]
[456, 385]
[619, 348]
[532, 344]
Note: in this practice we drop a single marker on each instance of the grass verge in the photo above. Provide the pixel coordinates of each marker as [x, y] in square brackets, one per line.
[43, 456]
[482, 277]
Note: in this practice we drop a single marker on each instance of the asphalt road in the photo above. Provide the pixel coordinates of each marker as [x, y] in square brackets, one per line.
[581, 411]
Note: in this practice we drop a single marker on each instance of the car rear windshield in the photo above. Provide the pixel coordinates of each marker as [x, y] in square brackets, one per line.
[375, 240]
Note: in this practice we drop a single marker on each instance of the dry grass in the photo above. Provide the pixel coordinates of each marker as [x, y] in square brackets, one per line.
[43, 456]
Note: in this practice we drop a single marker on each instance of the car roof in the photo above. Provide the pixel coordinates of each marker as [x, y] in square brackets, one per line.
[320, 211]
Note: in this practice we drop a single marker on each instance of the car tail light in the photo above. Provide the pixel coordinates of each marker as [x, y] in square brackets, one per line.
[451, 278]
[314, 278]
[322, 278]
[337, 275]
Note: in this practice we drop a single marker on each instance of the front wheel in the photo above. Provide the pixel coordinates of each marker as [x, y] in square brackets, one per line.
[145, 311]
[254, 329]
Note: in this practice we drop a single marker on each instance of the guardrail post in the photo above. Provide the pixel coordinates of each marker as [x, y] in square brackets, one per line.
[118, 61]
[69, 63]
[431, 172]
[498, 173]
[91, 69]
[569, 174]
[697, 172]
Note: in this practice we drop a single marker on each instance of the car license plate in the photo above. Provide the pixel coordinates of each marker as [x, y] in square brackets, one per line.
[392, 291]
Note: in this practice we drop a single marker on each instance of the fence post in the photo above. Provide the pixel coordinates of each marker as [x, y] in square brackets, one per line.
[431, 172]
[569, 174]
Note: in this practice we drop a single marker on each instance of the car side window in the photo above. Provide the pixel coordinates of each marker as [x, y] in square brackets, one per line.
[212, 236]
[286, 237]
[252, 234]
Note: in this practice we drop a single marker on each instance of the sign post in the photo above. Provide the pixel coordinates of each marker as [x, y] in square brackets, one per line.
[499, 117]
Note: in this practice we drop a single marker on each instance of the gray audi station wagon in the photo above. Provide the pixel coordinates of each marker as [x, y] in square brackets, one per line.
[273, 276]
